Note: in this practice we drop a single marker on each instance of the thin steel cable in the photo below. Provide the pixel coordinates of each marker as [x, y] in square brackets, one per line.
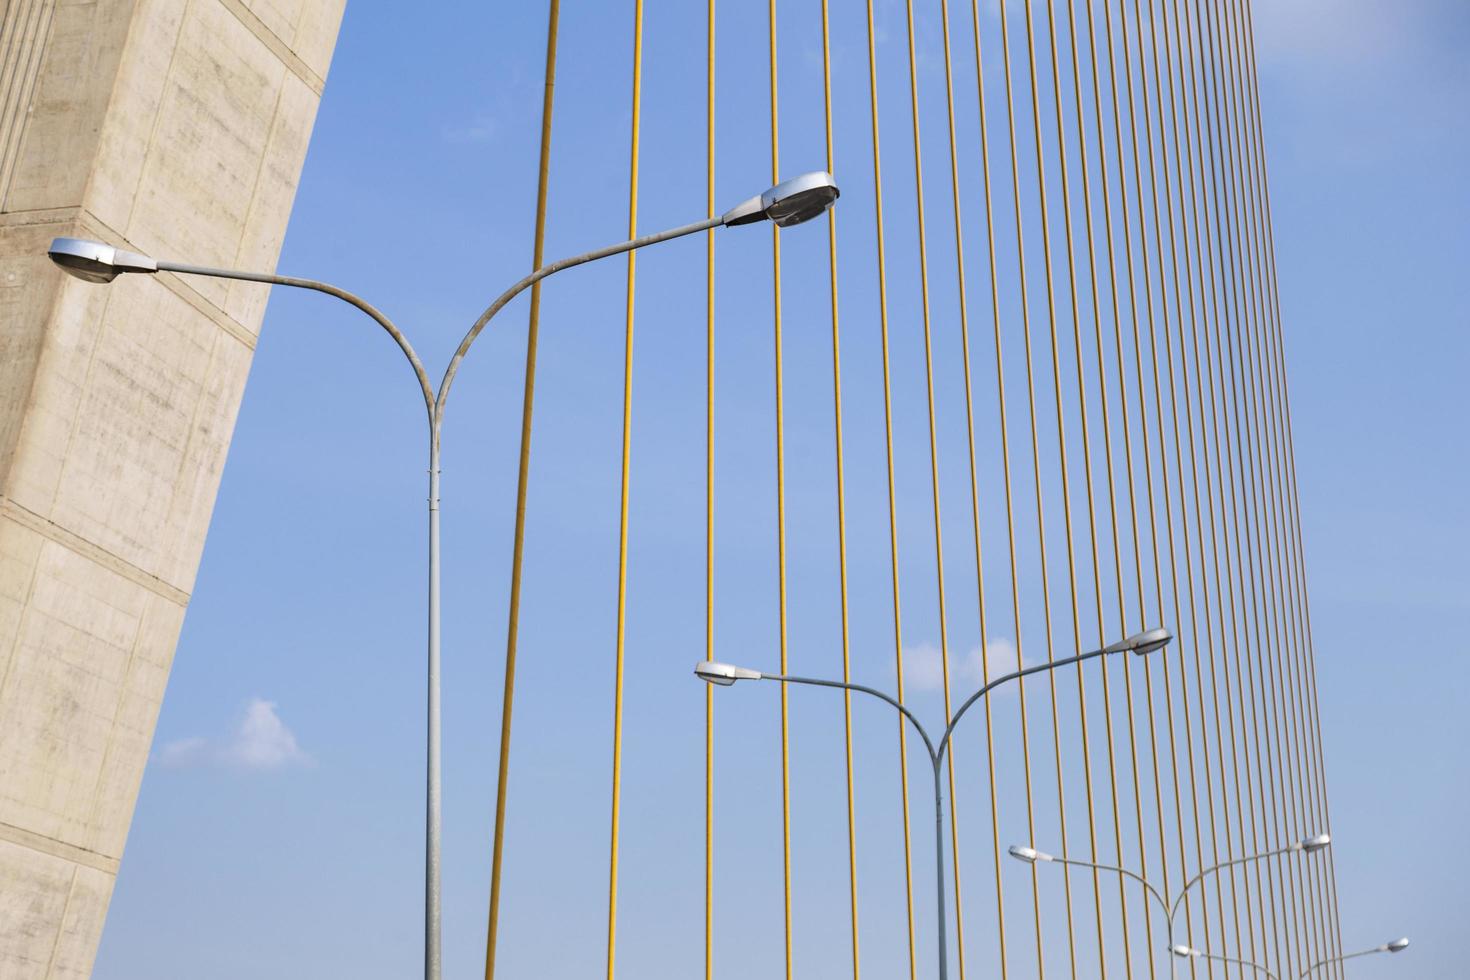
[1097, 585]
[626, 467]
[709, 497]
[1163, 224]
[1205, 265]
[1005, 460]
[1062, 450]
[1229, 514]
[1261, 526]
[1117, 548]
[780, 499]
[1314, 798]
[1040, 522]
[1134, 525]
[903, 765]
[923, 257]
[523, 472]
[852, 893]
[1304, 620]
[1165, 92]
[1314, 941]
[1163, 456]
[1242, 510]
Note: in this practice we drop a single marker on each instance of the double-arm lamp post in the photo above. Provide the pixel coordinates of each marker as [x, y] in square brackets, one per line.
[790, 202]
[726, 674]
[1032, 856]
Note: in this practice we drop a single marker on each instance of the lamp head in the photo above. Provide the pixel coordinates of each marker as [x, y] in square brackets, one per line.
[92, 261]
[788, 203]
[724, 675]
[1028, 854]
[1314, 843]
[1146, 642]
[1398, 945]
[1182, 950]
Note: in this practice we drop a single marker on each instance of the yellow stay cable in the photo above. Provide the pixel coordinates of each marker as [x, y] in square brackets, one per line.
[934, 476]
[852, 895]
[1117, 547]
[1260, 840]
[903, 765]
[1162, 221]
[1226, 355]
[1005, 47]
[1126, 214]
[1000, 911]
[1257, 493]
[1205, 264]
[780, 500]
[1303, 619]
[1164, 91]
[1147, 455]
[622, 614]
[1068, 248]
[1269, 540]
[709, 498]
[522, 482]
[1312, 797]
[1097, 311]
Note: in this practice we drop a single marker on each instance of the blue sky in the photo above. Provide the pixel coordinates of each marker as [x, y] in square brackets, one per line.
[278, 831]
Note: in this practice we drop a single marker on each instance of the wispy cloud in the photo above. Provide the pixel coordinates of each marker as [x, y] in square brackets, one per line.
[261, 741]
[924, 666]
[480, 129]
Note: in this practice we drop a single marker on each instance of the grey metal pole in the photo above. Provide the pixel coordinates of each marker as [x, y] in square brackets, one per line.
[433, 965]
[943, 949]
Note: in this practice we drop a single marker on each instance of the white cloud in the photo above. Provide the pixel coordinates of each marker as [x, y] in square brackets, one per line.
[260, 741]
[479, 129]
[924, 667]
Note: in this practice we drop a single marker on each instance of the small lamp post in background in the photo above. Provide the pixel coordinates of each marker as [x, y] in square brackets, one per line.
[1397, 946]
[727, 674]
[1031, 855]
[790, 202]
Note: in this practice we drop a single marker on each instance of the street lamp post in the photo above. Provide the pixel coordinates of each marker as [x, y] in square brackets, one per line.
[1308, 845]
[727, 674]
[1396, 946]
[788, 203]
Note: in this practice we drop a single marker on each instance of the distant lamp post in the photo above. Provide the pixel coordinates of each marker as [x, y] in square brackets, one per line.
[726, 674]
[788, 203]
[1308, 845]
[1397, 946]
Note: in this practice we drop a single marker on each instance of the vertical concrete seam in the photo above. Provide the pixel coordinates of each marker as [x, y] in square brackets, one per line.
[61, 923]
[19, 87]
[168, 74]
[260, 168]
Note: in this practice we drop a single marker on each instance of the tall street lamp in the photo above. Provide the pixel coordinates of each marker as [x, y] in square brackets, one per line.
[1397, 946]
[1032, 856]
[790, 202]
[727, 674]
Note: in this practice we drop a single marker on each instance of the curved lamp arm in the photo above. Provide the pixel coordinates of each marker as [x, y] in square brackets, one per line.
[817, 682]
[1073, 862]
[542, 273]
[1397, 946]
[321, 287]
[1186, 951]
[1249, 858]
[1007, 678]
